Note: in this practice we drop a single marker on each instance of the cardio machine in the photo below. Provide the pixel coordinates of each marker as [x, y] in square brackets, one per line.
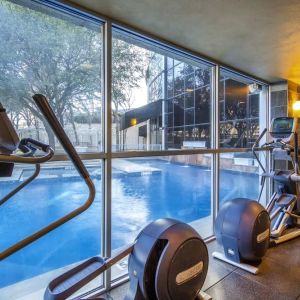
[244, 227]
[167, 261]
[283, 206]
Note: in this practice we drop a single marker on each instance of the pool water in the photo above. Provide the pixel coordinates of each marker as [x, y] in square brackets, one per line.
[173, 190]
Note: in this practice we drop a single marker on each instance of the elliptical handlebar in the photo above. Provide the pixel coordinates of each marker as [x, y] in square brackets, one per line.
[34, 144]
[11, 158]
[27, 158]
[48, 113]
[255, 145]
[296, 167]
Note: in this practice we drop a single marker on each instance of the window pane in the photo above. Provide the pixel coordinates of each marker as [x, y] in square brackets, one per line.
[178, 111]
[57, 190]
[239, 176]
[49, 52]
[189, 117]
[46, 51]
[189, 100]
[149, 83]
[146, 189]
[241, 113]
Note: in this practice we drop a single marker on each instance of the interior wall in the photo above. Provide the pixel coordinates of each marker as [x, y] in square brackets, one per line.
[279, 108]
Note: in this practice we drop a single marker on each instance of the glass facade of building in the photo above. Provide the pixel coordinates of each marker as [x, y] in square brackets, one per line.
[187, 104]
[171, 104]
[240, 101]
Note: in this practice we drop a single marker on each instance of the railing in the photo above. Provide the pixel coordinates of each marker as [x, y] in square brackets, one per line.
[136, 147]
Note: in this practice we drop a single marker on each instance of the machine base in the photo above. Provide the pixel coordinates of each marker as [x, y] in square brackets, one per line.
[203, 296]
[249, 268]
[293, 233]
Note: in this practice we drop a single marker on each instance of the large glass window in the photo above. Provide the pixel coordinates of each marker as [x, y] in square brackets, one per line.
[160, 100]
[48, 52]
[241, 117]
[239, 176]
[146, 189]
[58, 190]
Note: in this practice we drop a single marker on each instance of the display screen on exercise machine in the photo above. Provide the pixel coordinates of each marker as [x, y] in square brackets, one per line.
[283, 127]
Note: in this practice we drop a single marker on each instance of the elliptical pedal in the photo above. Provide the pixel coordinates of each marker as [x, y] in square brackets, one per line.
[285, 200]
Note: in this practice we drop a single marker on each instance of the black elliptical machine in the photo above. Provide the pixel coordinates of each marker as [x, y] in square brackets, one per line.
[244, 227]
[283, 206]
[167, 261]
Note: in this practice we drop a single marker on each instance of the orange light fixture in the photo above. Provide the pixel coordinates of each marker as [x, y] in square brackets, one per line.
[133, 121]
[296, 106]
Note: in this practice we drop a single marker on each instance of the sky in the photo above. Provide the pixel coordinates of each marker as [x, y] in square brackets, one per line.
[139, 95]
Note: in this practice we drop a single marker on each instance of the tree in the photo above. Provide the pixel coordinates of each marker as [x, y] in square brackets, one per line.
[60, 58]
[48, 55]
[129, 64]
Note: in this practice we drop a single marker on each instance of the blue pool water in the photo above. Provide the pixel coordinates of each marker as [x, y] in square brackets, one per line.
[174, 190]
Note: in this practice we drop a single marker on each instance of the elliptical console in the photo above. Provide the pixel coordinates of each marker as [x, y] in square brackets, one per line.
[283, 129]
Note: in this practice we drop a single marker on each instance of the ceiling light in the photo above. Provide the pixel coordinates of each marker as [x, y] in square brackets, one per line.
[254, 87]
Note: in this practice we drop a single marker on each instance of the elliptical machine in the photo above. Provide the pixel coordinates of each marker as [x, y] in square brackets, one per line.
[243, 227]
[283, 206]
[167, 261]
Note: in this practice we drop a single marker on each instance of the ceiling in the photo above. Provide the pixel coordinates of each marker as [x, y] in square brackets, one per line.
[260, 37]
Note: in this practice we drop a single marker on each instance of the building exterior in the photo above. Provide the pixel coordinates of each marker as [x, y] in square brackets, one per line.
[182, 94]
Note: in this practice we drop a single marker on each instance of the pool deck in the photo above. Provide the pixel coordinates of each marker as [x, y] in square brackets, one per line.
[128, 167]
[120, 166]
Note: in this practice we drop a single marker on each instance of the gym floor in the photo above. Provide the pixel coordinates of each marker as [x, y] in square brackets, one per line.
[278, 279]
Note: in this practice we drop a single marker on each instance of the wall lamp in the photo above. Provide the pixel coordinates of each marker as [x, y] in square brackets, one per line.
[296, 106]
